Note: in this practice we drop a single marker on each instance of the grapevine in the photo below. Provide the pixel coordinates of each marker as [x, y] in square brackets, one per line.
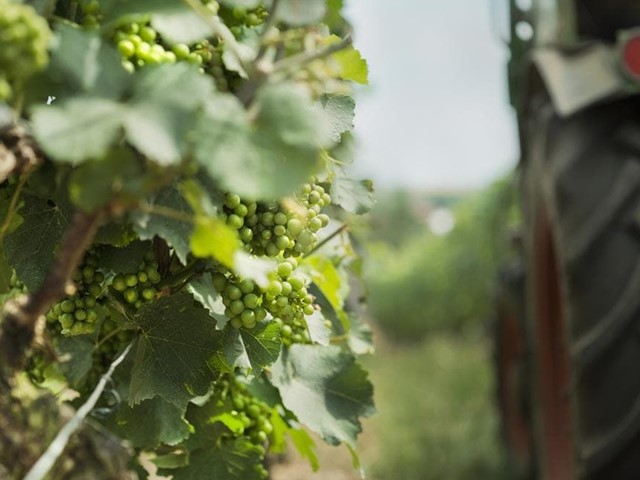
[167, 207]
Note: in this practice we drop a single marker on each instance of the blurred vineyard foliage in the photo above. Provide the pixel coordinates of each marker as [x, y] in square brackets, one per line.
[419, 282]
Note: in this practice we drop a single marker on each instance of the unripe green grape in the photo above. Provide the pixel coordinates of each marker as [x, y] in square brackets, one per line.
[219, 282]
[126, 48]
[246, 286]
[248, 318]
[236, 307]
[181, 50]
[286, 288]
[148, 293]
[68, 306]
[274, 288]
[66, 320]
[92, 316]
[285, 269]
[131, 295]
[80, 315]
[294, 227]
[234, 221]
[246, 234]
[296, 282]
[236, 322]
[261, 314]
[95, 290]
[131, 280]
[233, 292]
[308, 309]
[251, 300]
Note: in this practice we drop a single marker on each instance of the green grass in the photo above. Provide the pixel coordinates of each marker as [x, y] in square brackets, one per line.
[436, 417]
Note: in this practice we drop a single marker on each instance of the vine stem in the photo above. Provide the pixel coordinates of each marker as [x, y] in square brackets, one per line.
[44, 464]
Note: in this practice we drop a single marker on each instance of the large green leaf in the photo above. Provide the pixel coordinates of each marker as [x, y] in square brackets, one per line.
[211, 237]
[174, 231]
[181, 26]
[272, 155]
[78, 130]
[231, 460]
[31, 248]
[151, 423]
[82, 63]
[203, 291]
[160, 115]
[352, 195]
[177, 340]
[341, 110]
[156, 120]
[326, 389]
[262, 344]
[95, 184]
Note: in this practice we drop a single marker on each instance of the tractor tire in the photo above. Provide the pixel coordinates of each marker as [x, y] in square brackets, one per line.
[581, 202]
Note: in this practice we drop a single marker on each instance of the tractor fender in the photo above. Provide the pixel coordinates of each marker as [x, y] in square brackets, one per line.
[578, 79]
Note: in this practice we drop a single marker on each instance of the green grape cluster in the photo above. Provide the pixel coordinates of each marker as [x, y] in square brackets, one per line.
[242, 299]
[139, 287]
[252, 412]
[91, 16]
[270, 228]
[77, 314]
[24, 38]
[288, 300]
[240, 17]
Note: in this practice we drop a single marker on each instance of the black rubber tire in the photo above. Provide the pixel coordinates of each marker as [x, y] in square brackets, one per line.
[583, 174]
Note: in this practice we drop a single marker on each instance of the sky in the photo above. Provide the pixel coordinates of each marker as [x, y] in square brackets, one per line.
[436, 114]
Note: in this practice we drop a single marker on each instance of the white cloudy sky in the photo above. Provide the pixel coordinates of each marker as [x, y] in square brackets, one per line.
[436, 114]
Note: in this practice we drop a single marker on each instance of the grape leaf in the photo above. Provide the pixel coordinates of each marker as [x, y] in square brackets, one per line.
[229, 461]
[77, 357]
[254, 268]
[204, 292]
[360, 338]
[211, 237]
[262, 344]
[327, 278]
[175, 232]
[352, 195]
[176, 341]
[94, 184]
[341, 111]
[80, 129]
[30, 249]
[318, 331]
[352, 66]
[286, 135]
[306, 446]
[82, 63]
[326, 389]
[181, 26]
[125, 259]
[247, 349]
[160, 115]
[301, 12]
[151, 423]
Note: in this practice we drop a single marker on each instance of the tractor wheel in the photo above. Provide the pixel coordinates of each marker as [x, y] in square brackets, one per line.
[581, 199]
